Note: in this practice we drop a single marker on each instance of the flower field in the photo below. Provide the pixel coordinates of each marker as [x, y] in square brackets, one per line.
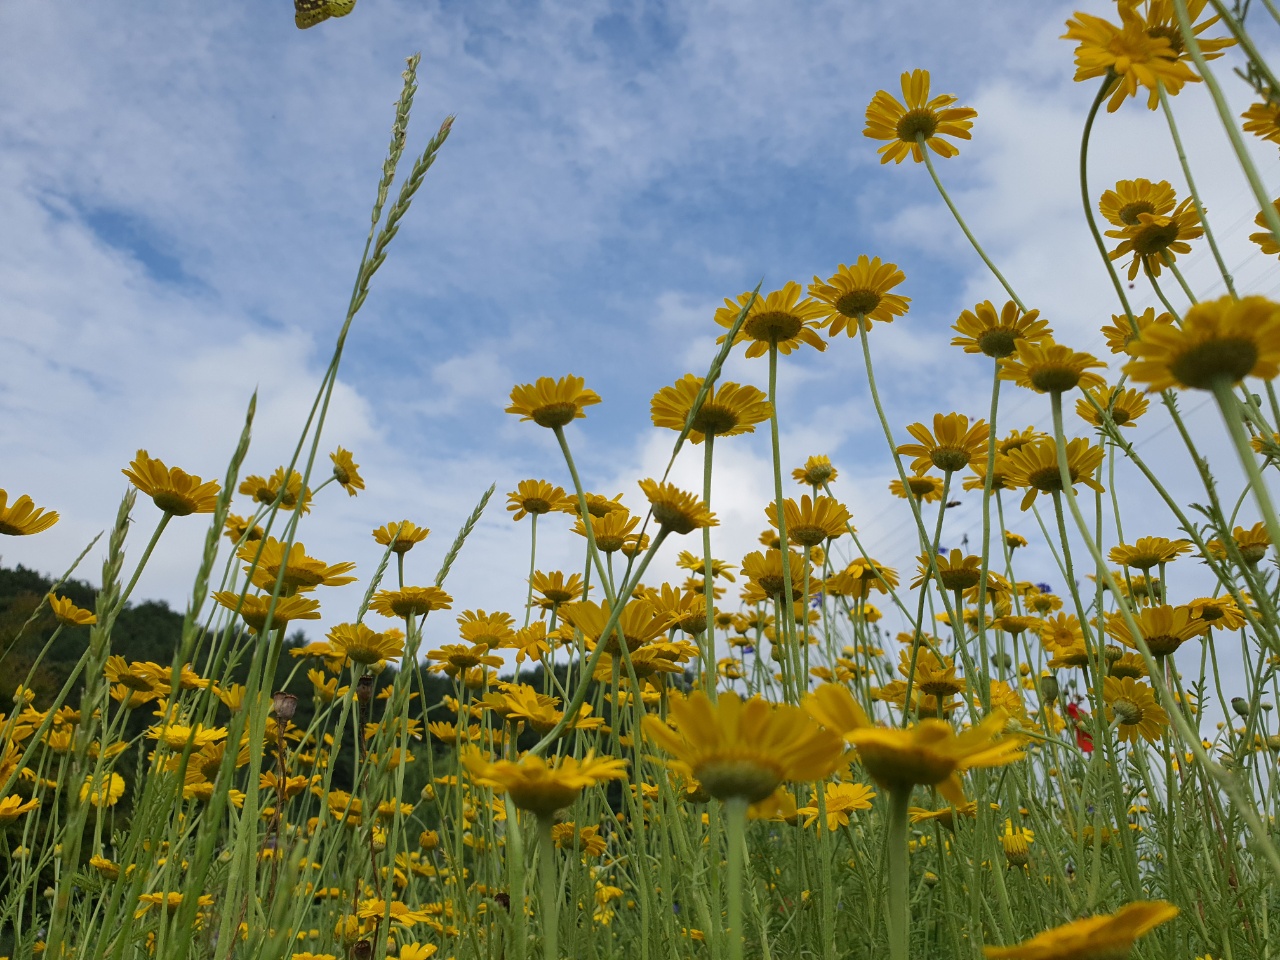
[749, 762]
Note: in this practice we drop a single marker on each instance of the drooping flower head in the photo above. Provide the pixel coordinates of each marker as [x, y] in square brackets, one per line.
[346, 471]
[917, 116]
[1128, 52]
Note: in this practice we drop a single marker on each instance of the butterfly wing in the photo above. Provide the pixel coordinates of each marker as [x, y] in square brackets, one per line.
[340, 8]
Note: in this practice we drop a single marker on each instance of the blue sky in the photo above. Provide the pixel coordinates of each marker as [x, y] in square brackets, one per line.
[184, 190]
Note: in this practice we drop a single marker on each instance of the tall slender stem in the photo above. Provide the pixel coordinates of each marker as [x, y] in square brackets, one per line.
[924, 150]
[735, 825]
[899, 917]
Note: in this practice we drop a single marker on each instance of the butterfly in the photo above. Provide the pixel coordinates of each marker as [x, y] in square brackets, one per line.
[307, 13]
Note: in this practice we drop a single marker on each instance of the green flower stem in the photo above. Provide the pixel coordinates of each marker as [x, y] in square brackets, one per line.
[1173, 311]
[588, 668]
[593, 555]
[533, 556]
[785, 626]
[735, 811]
[1271, 9]
[829, 892]
[1234, 788]
[707, 642]
[146, 555]
[928, 547]
[1246, 42]
[1230, 408]
[1088, 202]
[957, 615]
[516, 881]
[928, 162]
[1195, 194]
[550, 889]
[984, 683]
[898, 905]
[1229, 122]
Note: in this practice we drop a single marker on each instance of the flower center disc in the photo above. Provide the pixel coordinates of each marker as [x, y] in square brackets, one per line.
[554, 414]
[857, 303]
[1129, 212]
[714, 420]
[917, 122]
[1200, 366]
[772, 326]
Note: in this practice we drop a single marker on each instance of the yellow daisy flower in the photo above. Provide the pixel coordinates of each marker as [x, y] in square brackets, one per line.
[812, 521]
[780, 319]
[538, 786]
[400, 537]
[555, 589]
[1129, 53]
[173, 490]
[1124, 406]
[1035, 466]
[1048, 367]
[1164, 627]
[1122, 205]
[860, 292]
[675, 510]
[1120, 335]
[1222, 339]
[1148, 552]
[817, 470]
[927, 754]
[68, 614]
[534, 497]
[24, 517]
[1103, 937]
[346, 471]
[253, 609]
[1156, 238]
[743, 749]
[903, 124]
[301, 572]
[727, 410]
[552, 403]
[984, 331]
[1132, 707]
[359, 644]
[956, 445]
